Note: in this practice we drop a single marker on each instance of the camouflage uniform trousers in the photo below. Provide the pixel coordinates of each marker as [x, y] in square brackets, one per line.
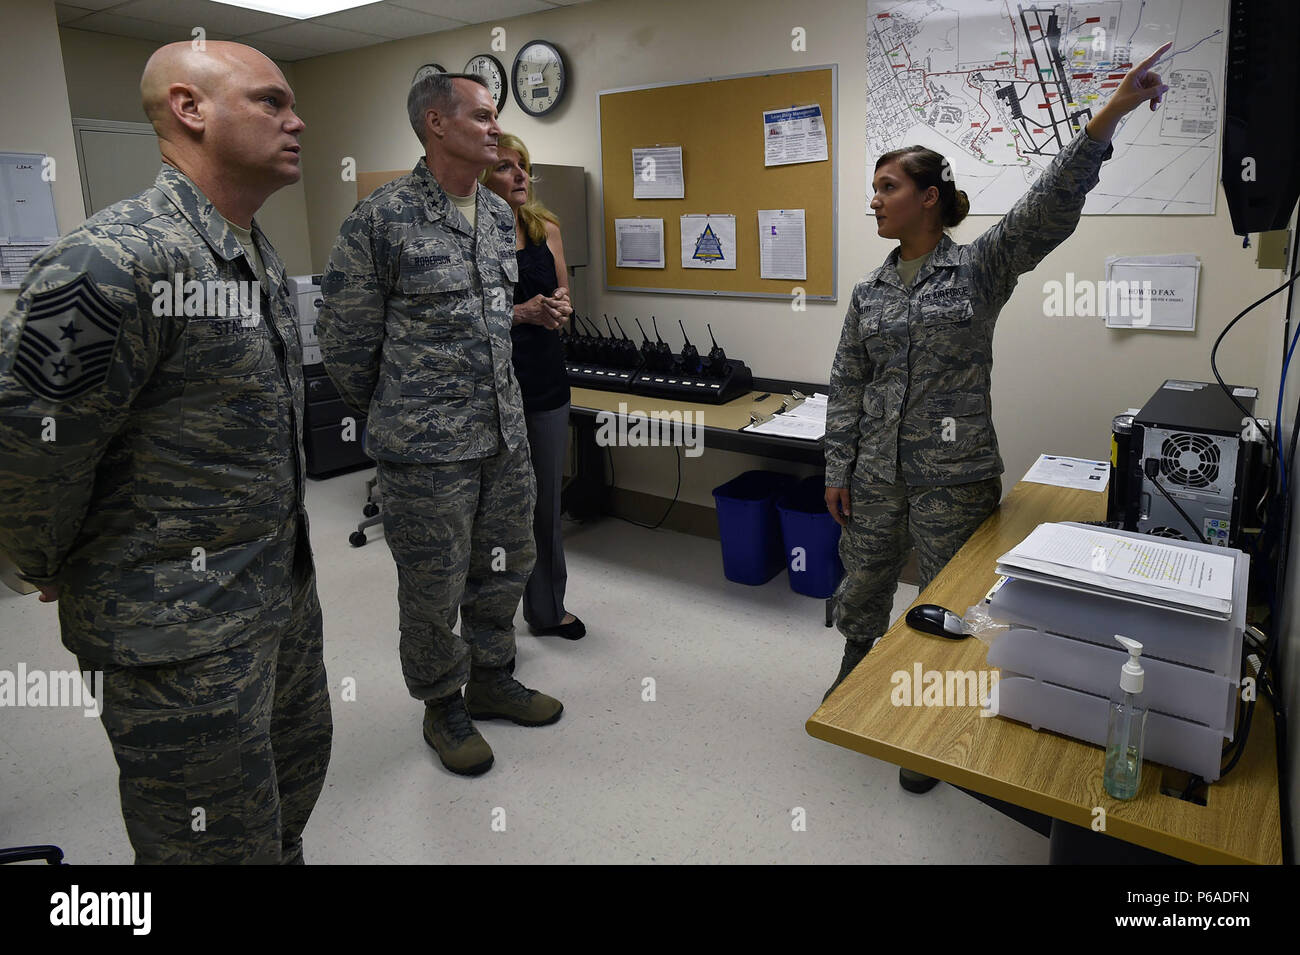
[243, 734]
[874, 544]
[461, 533]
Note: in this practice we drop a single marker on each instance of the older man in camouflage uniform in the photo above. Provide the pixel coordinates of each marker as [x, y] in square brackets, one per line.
[151, 412]
[415, 331]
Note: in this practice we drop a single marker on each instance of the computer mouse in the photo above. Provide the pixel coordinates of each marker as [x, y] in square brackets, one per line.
[933, 619]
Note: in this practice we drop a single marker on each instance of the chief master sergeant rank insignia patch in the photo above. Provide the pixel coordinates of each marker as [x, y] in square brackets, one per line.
[67, 340]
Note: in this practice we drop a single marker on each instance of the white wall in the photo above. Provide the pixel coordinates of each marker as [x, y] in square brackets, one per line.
[1057, 382]
[103, 82]
[34, 114]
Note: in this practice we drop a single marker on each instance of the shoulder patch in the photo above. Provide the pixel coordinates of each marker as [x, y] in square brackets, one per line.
[67, 341]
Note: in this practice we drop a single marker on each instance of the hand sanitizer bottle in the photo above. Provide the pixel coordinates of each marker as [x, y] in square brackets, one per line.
[1128, 721]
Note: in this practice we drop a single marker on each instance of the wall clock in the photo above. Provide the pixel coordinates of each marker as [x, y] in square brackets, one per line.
[540, 79]
[489, 67]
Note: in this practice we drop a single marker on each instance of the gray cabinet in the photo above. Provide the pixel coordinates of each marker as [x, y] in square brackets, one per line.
[563, 189]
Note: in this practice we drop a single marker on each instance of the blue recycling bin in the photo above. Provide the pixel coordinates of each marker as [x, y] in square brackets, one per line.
[750, 527]
[812, 538]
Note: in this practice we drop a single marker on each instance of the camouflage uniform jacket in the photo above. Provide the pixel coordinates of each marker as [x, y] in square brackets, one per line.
[415, 329]
[913, 366]
[131, 435]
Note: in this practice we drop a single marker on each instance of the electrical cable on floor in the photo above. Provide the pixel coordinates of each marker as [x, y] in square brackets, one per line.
[609, 456]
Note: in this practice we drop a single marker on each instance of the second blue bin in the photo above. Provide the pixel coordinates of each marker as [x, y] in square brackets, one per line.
[812, 538]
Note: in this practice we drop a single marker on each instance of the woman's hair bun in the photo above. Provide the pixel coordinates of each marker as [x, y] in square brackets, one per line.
[960, 207]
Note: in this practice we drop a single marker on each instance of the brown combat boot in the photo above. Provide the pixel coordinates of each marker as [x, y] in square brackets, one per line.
[447, 728]
[492, 693]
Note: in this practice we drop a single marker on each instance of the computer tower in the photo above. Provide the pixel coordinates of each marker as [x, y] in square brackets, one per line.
[334, 432]
[1192, 436]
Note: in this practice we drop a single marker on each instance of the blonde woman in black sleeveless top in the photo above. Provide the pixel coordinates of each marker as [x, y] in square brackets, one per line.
[542, 309]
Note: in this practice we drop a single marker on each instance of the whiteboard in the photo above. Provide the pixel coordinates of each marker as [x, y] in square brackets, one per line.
[27, 209]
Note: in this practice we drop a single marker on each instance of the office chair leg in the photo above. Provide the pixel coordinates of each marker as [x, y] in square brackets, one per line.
[370, 511]
[52, 855]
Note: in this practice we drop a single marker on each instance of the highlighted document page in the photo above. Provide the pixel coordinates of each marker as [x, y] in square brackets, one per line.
[1152, 570]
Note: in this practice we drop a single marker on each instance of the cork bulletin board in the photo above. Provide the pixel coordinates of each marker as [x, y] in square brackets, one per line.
[718, 123]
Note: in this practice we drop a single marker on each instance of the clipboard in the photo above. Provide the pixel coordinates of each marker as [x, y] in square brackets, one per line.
[757, 419]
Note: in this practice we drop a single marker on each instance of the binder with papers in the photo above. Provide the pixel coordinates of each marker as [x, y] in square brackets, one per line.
[1155, 571]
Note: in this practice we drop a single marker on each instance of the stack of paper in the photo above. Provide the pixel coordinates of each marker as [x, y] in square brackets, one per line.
[1153, 571]
[805, 420]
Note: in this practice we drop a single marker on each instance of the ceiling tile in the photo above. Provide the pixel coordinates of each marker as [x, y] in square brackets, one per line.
[96, 4]
[284, 38]
[67, 13]
[319, 39]
[476, 11]
[384, 19]
[117, 25]
[283, 52]
[213, 17]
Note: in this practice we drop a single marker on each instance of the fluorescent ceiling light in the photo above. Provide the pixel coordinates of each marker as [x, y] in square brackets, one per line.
[298, 9]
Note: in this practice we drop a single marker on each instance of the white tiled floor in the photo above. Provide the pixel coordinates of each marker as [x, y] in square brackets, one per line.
[708, 772]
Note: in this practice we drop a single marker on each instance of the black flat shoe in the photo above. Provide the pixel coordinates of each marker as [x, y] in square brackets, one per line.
[569, 631]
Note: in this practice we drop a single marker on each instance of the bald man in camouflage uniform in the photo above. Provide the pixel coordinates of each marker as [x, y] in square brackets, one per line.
[151, 414]
[415, 332]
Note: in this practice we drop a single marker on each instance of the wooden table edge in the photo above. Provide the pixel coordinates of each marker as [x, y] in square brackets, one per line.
[1069, 812]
